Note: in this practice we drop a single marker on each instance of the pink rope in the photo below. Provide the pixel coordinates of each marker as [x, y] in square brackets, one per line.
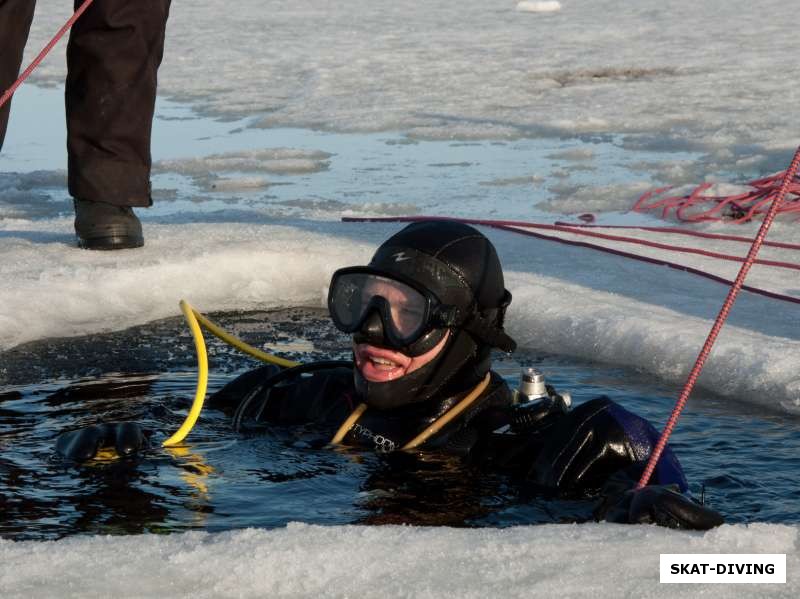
[736, 286]
[721, 317]
[676, 248]
[10, 91]
[737, 208]
[576, 230]
[513, 229]
[677, 231]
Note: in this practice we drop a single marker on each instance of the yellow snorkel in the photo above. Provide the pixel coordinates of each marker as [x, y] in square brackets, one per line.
[195, 319]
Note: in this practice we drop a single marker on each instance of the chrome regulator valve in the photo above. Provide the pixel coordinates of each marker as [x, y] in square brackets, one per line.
[533, 391]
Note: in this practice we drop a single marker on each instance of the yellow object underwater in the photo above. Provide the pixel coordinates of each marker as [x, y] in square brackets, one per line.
[195, 319]
[105, 454]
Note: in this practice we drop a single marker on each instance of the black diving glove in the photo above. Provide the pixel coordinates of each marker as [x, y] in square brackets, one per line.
[654, 504]
[127, 438]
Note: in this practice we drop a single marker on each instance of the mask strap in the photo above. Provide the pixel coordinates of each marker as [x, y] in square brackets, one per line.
[488, 331]
[491, 335]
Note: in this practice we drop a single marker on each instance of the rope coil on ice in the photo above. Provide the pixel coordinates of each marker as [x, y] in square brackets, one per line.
[737, 208]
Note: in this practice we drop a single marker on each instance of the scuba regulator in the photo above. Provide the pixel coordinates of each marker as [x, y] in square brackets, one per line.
[534, 400]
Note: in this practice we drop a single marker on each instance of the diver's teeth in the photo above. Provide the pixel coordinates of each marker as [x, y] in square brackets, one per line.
[383, 361]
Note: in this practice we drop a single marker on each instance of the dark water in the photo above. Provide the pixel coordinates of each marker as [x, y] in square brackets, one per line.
[746, 459]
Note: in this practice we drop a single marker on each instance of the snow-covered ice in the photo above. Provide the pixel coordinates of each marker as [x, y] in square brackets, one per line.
[300, 560]
[392, 107]
[566, 299]
[708, 76]
[549, 6]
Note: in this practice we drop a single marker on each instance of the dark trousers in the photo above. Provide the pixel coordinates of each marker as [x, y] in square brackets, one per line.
[113, 55]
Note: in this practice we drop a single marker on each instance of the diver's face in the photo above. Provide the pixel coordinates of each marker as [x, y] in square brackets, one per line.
[380, 365]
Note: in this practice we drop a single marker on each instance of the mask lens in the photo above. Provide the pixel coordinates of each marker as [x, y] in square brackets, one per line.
[404, 309]
[406, 305]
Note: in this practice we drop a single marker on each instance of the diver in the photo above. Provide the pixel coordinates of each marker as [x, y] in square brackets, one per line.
[424, 315]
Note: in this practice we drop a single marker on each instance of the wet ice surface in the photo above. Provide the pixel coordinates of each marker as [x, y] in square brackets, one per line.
[684, 75]
[230, 171]
[220, 480]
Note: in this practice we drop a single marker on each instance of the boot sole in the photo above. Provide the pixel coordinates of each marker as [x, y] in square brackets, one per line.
[111, 242]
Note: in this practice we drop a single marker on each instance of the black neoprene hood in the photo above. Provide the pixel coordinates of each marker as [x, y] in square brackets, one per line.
[453, 260]
[460, 266]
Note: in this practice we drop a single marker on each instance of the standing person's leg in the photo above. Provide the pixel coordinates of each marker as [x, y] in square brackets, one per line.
[15, 23]
[113, 55]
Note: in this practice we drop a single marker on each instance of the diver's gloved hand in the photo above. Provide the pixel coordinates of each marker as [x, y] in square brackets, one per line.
[126, 438]
[654, 504]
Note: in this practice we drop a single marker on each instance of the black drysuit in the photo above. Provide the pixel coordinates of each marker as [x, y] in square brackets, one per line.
[113, 55]
[571, 453]
[596, 450]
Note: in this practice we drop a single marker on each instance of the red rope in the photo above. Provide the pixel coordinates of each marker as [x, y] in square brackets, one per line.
[677, 231]
[764, 196]
[673, 248]
[10, 91]
[578, 230]
[721, 317]
[649, 260]
[496, 224]
[738, 208]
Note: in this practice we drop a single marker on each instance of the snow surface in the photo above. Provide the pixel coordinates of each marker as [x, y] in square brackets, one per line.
[539, 6]
[685, 90]
[569, 300]
[588, 560]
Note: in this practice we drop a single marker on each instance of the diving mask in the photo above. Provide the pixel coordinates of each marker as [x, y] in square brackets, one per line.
[406, 311]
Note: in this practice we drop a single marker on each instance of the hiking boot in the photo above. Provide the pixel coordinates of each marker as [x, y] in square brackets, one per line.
[101, 226]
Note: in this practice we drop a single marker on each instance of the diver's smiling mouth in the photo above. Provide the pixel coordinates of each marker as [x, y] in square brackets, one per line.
[378, 364]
